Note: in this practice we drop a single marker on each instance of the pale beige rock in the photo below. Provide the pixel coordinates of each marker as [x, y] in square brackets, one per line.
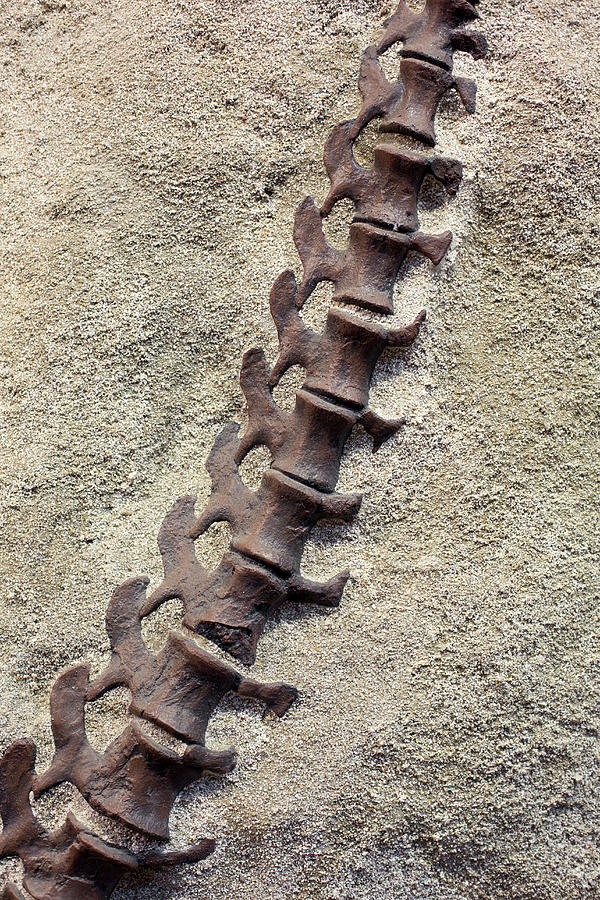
[151, 158]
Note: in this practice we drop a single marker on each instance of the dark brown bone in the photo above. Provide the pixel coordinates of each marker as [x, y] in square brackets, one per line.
[135, 780]
[267, 424]
[385, 199]
[315, 441]
[230, 501]
[373, 259]
[245, 590]
[286, 513]
[424, 87]
[180, 687]
[365, 275]
[233, 615]
[70, 863]
[184, 576]
[377, 92]
[340, 362]
[298, 345]
[351, 347]
[234, 604]
[234, 607]
[372, 262]
[388, 193]
[435, 33]
[410, 105]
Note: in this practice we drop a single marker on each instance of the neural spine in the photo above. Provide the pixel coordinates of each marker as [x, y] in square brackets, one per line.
[136, 780]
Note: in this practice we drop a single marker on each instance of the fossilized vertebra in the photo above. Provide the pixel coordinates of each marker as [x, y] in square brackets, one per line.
[70, 863]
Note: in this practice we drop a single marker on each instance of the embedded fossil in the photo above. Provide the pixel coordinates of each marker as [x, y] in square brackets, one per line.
[136, 780]
[70, 863]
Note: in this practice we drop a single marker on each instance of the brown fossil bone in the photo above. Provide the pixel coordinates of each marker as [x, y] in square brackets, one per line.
[307, 443]
[250, 584]
[288, 510]
[70, 863]
[366, 273]
[435, 33]
[267, 424]
[384, 227]
[233, 603]
[180, 687]
[387, 194]
[340, 362]
[314, 443]
[423, 88]
[237, 600]
[378, 94]
[230, 501]
[408, 106]
[429, 40]
[135, 780]
[298, 345]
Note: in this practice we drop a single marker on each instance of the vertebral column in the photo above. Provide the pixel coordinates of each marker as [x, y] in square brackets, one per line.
[136, 779]
[261, 570]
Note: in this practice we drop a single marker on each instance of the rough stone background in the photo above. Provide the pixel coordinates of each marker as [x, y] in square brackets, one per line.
[152, 154]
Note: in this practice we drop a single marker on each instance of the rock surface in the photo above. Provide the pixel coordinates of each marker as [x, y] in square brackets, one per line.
[446, 744]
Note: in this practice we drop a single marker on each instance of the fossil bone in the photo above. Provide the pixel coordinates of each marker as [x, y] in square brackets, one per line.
[70, 863]
[136, 779]
[180, 687]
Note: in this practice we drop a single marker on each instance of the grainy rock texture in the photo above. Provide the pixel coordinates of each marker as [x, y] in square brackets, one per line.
[446, 744]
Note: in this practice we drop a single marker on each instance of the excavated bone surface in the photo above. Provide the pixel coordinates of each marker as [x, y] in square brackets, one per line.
[152, 155]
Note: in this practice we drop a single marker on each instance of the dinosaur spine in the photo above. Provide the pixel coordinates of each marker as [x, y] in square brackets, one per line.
[136, 780]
